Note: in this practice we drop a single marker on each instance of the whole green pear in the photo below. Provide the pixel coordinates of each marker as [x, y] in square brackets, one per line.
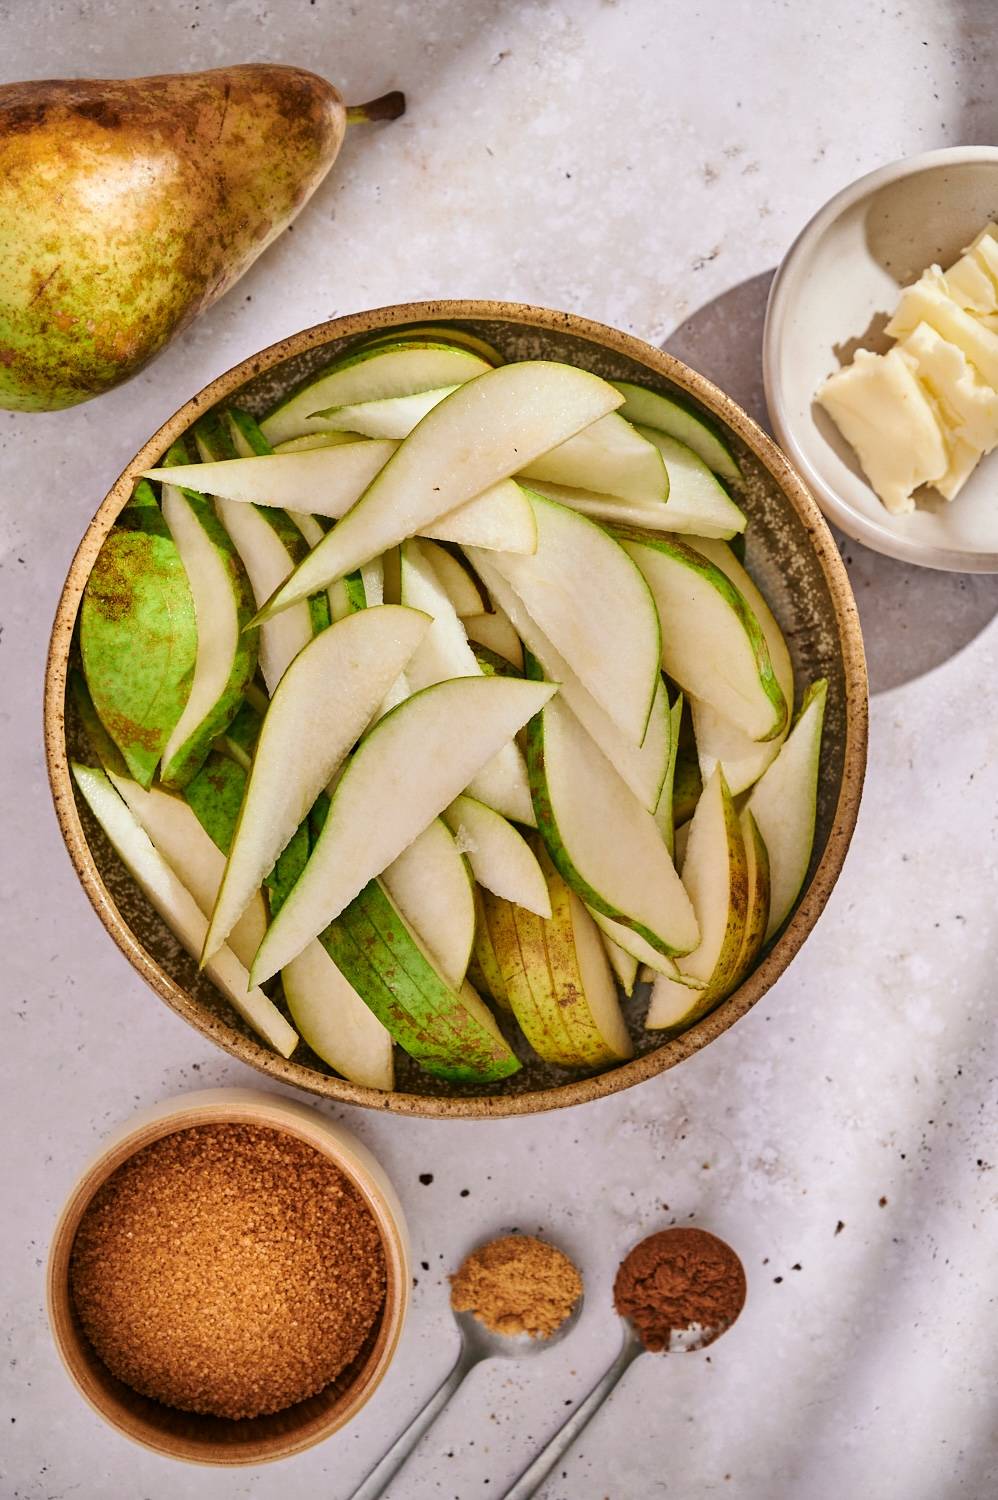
[128, 206]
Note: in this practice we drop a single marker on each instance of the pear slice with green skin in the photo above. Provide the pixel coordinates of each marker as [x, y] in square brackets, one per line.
[495, 634]
[178, 908]
[449, 1032]
[227, 649]
[712, 644]
[484, 970]
[329, 1014]
[784, 805]
[716, 875]
[651, 409]
[673, 517]
[742, 759]
[594, 606]
[624, 965]
[665, 807]
[311, 440]
[394, 417]
[697, 497]
[405, 771]
[270, 546]
[610, 456]
[443, 653]
[635, 946]
[461, 588]
[323, 703]
[178, 835]
[558, 978]
[642, 766]
[499, 856]
[371, 374]
[472, 440]
[138, 635]
[431, 885]
[438, 333]
[215, 796]
[602, 841]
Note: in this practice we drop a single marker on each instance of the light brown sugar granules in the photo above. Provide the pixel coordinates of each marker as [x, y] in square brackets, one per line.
[517, 1284]
[228, 1269]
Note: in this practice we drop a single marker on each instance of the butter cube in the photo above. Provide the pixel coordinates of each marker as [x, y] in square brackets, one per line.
[963, 460]
[967, 404]
[928, 301]
[884, 414]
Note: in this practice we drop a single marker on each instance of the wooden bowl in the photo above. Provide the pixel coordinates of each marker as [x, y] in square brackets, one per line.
[218, 1440]
[792, 554]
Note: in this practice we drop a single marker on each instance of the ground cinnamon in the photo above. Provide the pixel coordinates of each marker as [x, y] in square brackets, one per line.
[678, 1279]
[228, 1269]
[517, 1284]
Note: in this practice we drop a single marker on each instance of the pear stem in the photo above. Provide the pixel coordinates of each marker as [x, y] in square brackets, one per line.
[388, 107]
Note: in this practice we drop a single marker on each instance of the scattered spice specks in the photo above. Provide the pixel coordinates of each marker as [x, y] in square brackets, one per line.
[426, 1178]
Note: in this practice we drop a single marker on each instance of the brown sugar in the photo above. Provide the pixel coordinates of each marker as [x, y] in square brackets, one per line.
[679, 1279]
[228, 1269]
[517, 1284]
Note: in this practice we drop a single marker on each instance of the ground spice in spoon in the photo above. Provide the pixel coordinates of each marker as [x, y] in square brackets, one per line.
[517, 1284]
[676, 1280]
[228, 1269]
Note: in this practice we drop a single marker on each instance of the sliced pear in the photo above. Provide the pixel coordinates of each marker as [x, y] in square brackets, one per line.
[439, 333]
[718, 741]
[227, 654]
[500, 857]
[784, 805]
[670, 416]
[475, 438]
[495, 632]
[624, 965]
[712, 644]
[393, 417]
[432, 888]
[406, 770]
[371, 375]
[665, 809]
[456, 581]
[450, 1033]
[193, 856]
[673, 517]
[499, 519]
[643, 766]
[558, 978]
[634, 945]
[178, 908]
[695, 494]
[215, 796]
[443, 653]
[335, 1022]
[138, 634]
[323, 703]
[310, 440]
[757, 919]
[610, 456]
[716, 876]
[602, 841]
[484, 971]
[594, 606]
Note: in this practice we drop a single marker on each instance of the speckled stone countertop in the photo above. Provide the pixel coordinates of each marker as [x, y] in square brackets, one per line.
[647, 164]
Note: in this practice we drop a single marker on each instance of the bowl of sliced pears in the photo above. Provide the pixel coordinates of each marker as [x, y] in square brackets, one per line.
[459, 709]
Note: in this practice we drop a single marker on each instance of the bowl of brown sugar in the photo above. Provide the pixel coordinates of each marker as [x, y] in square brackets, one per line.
[228, 1281]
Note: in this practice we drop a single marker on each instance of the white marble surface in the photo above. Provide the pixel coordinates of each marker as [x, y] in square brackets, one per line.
[648, 164]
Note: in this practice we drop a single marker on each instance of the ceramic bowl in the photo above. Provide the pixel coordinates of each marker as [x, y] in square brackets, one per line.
[217, 1440]
[833, 295]
[793, 556]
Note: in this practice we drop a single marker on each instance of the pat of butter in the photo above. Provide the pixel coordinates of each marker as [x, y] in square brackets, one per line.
[927, 302]
[969, 281]
[963, 460]
[882, 411]
[967, 404]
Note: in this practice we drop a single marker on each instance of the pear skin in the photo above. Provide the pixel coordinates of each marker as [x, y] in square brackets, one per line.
[128, 206]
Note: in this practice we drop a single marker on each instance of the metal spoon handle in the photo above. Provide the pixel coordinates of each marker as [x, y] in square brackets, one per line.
[534, 1475]
[384, 1471]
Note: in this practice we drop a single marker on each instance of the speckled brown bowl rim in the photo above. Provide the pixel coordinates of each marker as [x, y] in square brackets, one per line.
[850, 643]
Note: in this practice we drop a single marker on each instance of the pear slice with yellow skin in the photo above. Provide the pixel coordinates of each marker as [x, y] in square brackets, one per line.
[624, 965]
[757, 916]
[715, 874]
[484, 970]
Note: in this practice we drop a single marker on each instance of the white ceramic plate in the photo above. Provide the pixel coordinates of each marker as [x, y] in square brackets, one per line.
[833, 293]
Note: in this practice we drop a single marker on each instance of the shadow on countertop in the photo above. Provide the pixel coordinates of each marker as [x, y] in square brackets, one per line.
[914, 619]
